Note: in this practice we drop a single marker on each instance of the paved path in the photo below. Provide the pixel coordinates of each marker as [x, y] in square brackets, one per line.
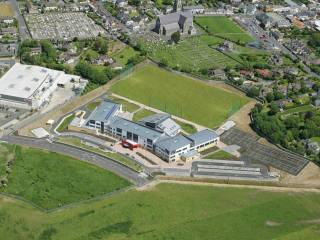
[80, 154]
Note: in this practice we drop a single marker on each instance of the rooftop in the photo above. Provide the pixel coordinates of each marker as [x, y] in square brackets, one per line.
[203, 136]
[173, 143]
[24, 80]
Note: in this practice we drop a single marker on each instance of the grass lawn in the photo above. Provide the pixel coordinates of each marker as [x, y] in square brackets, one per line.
[6, 154]
[64, 125]
[224, 27]
[316, 139]
[180, 96]
[221, 155]
[6, 10]
[51, 180]
[299, 109]
[126, 106]
[92, 106]
[121, 57]
[170, 211]
[188, 128]
[142, 114]
[126, 161]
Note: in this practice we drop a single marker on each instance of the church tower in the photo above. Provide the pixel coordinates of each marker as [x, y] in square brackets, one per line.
[177, 6]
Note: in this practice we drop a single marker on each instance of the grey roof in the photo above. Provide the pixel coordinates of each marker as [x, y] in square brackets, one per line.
[156, 118]
[174, 17]
[135, 128]
[105, 111]
[173, 143]
[169, 127]
[203, 137]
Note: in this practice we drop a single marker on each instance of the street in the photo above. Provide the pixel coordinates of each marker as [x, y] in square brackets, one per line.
[23, 30]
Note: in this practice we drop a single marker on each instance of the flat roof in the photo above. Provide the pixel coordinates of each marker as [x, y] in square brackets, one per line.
[173, 143]
[24, 80]
[105, 111]
[135, 128]
[203, 136]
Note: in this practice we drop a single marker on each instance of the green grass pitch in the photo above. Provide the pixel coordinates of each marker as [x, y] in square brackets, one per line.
[180, 96]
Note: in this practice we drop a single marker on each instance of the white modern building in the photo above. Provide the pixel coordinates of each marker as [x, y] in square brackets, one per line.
[158, 133]
[30, 87]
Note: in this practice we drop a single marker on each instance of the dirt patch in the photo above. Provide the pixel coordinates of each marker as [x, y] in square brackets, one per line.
[242, 118]
[151, 185]
[270, 223]
[309, 177]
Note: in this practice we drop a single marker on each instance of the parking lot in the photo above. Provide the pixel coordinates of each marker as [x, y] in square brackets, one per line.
[254, 152]
[62, 26]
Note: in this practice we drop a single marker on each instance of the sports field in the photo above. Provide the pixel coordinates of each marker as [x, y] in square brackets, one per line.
[224, 27]
[51, 180]
[180, 96]
[168, 211]
[5, 10]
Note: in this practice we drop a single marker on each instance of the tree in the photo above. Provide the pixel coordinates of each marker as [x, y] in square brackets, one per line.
[175, 37]
[101, 45]
[274, 109]
[254, 92]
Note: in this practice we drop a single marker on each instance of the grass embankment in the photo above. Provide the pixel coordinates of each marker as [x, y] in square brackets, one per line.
[51, 180]
[221, 155]
[126, 106]
[115, 156]
[169, 92]
[64, 125]
[171, 211]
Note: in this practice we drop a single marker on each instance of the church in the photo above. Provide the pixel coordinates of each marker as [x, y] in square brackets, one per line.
[170, 23]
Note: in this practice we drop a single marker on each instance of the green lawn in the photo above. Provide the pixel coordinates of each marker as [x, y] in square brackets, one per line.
[221, 155]
[121, 57]
[188, 128]
[92, 106]
[51, 180]
[316, 139]
[299, 109]
[142, 114]
[126, 106]
[168, 211]
[64, 125]
[224, 27]
[6, 154]
[115, 156]
[180, 96]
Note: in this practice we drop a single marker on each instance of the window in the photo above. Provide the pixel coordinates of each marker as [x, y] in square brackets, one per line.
[129, 135]
[135, 138]
[119, 130]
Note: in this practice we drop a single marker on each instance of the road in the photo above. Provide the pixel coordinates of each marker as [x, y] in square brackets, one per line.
[23, 30]
[80, 154]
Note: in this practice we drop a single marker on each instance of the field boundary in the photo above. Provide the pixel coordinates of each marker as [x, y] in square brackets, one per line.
[67, 206]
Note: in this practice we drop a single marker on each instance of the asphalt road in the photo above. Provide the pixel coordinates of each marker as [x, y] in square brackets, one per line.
[80, 154]
[23, 30]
